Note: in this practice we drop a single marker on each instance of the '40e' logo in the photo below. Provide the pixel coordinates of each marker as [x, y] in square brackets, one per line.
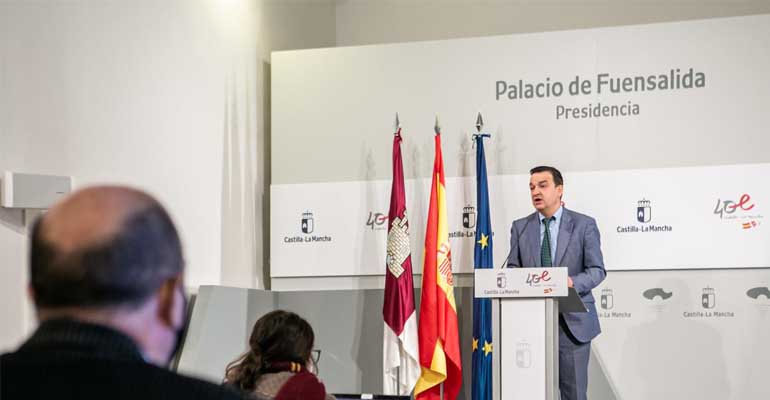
[377, 220]
[534, 279]
[729, 206]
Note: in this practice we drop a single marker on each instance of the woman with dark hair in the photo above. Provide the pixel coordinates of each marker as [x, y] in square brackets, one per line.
[276, 365]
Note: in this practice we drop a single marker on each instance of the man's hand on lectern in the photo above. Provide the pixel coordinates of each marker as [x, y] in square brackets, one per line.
[569, 282]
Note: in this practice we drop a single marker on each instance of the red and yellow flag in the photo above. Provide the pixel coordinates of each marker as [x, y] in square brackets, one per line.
[438, 334]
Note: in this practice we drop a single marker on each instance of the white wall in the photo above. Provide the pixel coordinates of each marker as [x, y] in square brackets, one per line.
[165, 95]
[362, 22]
[276, 25]
[111, 92]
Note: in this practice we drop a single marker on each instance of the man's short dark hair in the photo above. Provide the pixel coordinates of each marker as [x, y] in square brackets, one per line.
[557, 178]
[123, 270]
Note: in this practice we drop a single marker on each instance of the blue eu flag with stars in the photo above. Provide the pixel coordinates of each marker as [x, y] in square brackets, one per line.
[481, 386]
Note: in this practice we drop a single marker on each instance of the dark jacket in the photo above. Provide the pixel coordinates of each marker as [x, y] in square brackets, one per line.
[65, 359]
[579, 249]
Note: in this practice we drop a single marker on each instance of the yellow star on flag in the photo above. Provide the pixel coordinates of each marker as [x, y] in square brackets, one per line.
[487, 348]
[475, 344]
[483, 241]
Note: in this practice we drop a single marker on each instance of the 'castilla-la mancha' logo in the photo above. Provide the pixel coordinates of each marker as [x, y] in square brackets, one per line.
[308, 223]
[523, 354]
[469, 217]
[644, 216]
[501, 281]
[607, 299]
[643, 211]
[607, 303]
[307, 226]
[708, 298]
[469, 223]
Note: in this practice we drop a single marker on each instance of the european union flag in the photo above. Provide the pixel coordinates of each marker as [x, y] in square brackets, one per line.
[481, 386]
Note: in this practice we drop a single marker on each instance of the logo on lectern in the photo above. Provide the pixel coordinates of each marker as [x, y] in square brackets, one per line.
[307, 222]
[501, 281]
[523, 355]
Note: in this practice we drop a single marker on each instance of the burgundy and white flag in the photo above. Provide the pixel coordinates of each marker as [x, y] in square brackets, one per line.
[401, 365]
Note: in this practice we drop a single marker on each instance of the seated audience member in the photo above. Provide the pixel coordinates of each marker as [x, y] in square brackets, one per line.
[105, 276]
[278, 365]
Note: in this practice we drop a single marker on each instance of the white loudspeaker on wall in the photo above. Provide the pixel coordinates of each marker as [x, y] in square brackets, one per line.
[33, 191]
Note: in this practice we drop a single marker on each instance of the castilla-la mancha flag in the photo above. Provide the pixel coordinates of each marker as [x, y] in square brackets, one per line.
[438, 334]
[401, 367]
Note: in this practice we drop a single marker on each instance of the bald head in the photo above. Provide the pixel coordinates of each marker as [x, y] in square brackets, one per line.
[103, 246]
[90, 217]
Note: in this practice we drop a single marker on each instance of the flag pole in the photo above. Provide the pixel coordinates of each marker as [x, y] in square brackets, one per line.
[397, 125]
[397, 132]
[437, 129]
[483, 372]
[398, 369]
[479, 127]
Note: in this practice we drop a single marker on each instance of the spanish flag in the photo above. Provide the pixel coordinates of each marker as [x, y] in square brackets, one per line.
[438, 335]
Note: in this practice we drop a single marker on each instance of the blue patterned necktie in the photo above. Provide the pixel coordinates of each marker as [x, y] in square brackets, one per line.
[545, 249]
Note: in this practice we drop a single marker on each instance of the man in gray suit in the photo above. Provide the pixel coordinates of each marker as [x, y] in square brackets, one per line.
[555, 236]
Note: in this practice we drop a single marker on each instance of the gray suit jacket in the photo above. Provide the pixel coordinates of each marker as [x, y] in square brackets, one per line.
[579, 249]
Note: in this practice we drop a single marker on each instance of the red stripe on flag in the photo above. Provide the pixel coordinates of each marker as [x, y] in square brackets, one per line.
[438, 318]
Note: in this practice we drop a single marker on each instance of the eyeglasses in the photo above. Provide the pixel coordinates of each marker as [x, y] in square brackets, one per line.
[315, 357]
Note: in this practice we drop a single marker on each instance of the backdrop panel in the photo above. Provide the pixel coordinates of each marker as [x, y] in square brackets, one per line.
[660, 130]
